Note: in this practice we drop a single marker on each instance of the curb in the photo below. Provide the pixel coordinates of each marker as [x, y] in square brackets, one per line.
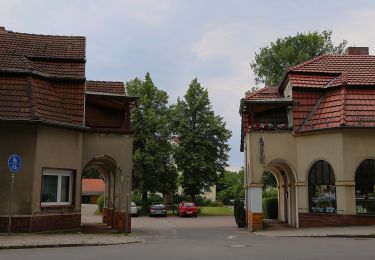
[318, 236]
[67, 245]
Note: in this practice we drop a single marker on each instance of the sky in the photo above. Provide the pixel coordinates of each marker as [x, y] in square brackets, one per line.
[177, 41]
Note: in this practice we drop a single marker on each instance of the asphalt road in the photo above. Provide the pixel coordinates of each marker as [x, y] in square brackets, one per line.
[205, 238]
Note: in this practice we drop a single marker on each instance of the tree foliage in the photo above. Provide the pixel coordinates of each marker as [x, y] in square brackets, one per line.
[230, 185]
[273, 60]
[202, 151]
[153, 165]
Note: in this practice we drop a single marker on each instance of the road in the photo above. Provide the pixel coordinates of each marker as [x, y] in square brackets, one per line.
[205, 238]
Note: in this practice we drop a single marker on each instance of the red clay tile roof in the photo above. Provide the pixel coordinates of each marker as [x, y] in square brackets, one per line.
[106, 87]
[360, 69]
[93, 186]
[52, 55]
[344, 107]
[328, 91]
[264, 93]
[310, 80]
[345, 99]
[41, 92]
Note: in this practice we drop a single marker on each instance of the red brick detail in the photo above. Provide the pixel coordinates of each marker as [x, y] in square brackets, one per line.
[255, 221]
[109, 217]
[105, 215]
[41, 223]
[119, 221]
[333, 220]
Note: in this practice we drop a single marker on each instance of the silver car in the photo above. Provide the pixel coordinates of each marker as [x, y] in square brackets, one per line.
[134, 209]
[158, 209]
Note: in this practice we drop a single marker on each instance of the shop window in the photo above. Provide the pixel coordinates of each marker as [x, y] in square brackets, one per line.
[322, 189]
[57, 187]
[365, 187]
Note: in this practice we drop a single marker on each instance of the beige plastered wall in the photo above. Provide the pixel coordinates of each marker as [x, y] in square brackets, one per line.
[20, 139]
[344, 150]
[57, 148]
[119, 147]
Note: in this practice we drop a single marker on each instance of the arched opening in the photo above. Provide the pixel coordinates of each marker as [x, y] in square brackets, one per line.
[322, 189]
[270, 196]
[365, 187]
[287, 197]
[102, 168]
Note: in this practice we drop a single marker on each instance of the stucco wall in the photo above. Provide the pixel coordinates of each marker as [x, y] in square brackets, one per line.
[57, 148]
[278, 146]
[117, 146]
[344, 150]
[20, 139]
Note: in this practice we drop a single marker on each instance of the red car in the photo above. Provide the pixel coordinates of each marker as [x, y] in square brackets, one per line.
[187, 209]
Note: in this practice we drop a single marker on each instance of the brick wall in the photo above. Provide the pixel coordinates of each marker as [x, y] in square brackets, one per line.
[41, 223]
[255, 221]
[332, 220]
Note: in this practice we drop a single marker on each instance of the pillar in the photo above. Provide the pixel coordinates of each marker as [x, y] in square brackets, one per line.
[254, 212]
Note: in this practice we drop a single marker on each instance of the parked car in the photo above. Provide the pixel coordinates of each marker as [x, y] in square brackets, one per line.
[158, 209]
[187, 209]
[133, 209]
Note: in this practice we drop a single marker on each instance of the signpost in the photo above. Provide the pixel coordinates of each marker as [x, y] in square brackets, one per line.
[14, 166]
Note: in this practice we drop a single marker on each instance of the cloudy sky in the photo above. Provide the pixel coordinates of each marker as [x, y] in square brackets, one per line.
[178, 40]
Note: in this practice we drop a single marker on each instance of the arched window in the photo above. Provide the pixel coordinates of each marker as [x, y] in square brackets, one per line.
[322, 189]
[365, 187]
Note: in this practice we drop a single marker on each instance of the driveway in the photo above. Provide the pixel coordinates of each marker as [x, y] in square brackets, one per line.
[172, 227]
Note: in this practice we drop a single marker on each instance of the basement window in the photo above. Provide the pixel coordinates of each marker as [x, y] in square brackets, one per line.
[57, 187]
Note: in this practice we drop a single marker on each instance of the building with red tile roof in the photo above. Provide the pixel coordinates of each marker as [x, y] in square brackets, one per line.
[92, 189]
[315, 133]
[61, 125]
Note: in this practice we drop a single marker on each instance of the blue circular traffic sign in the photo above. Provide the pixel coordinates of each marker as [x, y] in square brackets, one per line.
[14, 163]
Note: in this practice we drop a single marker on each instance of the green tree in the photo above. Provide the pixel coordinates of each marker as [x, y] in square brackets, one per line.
[153, 165]
[272, 61]
[230, 186]
[92, 173]
[202, 152]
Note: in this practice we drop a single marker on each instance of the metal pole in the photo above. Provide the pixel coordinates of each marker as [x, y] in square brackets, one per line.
[10, 204]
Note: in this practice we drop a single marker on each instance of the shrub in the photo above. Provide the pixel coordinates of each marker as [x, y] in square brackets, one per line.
[270, 207]
[270, 192]
[100, 202]
[239, 213]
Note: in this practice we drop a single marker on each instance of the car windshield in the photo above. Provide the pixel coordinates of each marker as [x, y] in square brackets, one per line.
[189, 205]
[158, 206]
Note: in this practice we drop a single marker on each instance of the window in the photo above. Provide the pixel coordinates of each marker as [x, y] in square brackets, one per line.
[365, 187]
[57, 187]
[322, 189]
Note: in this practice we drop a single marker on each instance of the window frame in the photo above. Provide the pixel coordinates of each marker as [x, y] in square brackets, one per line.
[59, 173]
[363, 181]
[323, 175]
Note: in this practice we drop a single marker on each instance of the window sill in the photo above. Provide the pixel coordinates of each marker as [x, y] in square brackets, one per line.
[57, 206]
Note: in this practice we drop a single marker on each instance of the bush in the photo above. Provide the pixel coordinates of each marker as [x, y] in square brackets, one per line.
[270, 207]
[239, 213]
[270, 192]
[100, 202]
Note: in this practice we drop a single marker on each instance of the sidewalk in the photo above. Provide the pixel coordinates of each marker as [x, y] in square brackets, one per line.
[14, 241]
[354, 231]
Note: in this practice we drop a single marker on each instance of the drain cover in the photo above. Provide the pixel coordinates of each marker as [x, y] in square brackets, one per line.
[238, 246]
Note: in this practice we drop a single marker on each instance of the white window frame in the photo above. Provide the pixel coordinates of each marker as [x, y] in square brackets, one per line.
[59, 173]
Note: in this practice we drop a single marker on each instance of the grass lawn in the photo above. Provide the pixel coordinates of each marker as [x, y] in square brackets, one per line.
[216, 211]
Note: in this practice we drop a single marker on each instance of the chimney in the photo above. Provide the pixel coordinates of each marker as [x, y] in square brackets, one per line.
[2, 29]
[357, 51]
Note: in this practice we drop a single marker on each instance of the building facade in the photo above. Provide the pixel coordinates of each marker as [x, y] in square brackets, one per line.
[315, 133]
[59, 124]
